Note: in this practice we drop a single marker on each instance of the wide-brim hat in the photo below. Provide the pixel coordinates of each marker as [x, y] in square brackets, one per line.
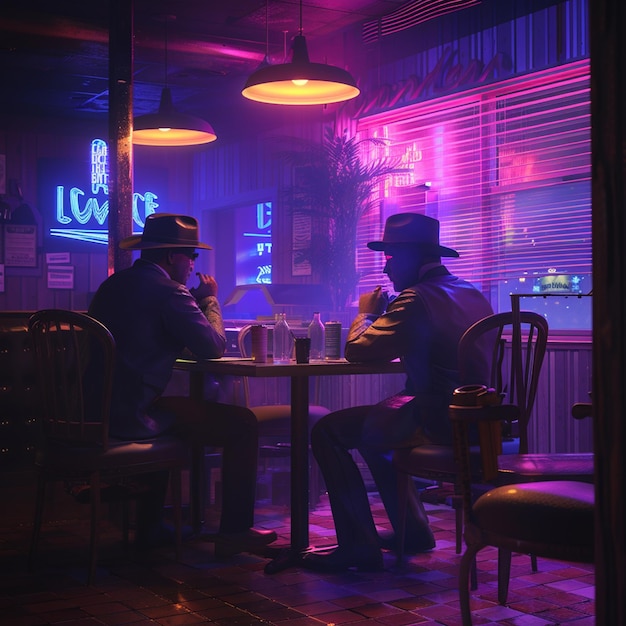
[166, 230]
[412, 229]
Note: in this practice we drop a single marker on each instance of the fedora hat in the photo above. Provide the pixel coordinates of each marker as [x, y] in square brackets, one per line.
[412, 229]
[166, 230]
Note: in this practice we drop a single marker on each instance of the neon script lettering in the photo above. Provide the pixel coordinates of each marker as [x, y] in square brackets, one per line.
[74, 209]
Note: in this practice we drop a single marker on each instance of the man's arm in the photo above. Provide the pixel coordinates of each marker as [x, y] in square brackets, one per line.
[386, 336]
[198, 324]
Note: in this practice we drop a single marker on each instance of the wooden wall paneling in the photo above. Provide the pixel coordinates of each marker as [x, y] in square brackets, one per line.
[339, 392]
[97, 272]
[565, 379]
[579, 434]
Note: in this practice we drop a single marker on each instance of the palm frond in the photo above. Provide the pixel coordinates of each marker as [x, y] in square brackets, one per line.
[336, 185]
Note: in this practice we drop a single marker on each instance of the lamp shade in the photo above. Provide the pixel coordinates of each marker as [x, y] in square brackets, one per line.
[169, 127]
[300, 82]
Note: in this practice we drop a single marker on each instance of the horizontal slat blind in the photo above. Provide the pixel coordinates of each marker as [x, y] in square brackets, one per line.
[509, 169]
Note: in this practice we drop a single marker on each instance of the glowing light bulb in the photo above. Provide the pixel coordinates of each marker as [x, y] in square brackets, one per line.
[300, 82]
[164, 129]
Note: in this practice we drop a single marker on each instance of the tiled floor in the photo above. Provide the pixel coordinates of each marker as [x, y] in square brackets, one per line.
[199, 589]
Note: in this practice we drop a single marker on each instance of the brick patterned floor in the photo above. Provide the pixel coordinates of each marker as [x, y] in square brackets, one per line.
[200, 589]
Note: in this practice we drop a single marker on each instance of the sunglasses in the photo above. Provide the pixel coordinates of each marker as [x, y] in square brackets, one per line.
[190, 254]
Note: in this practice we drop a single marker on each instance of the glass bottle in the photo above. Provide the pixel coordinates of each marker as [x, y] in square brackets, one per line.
[283, 340]
[316, 334]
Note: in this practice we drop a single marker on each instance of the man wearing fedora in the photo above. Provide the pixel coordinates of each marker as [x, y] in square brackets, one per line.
[422, 326]
[153, 318]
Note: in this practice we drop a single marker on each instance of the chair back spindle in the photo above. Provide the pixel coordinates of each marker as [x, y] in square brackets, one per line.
[519, 363]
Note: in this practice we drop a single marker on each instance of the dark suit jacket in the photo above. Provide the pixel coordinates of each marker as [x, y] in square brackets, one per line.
[153, 319]
[423, 326]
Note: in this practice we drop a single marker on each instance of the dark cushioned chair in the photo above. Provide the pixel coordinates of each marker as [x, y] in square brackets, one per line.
[551, 519]
[75, 357]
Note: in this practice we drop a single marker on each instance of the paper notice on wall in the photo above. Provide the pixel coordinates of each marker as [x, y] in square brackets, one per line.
[300, 245]
[57, 257]
[20, 245]
[61, 277]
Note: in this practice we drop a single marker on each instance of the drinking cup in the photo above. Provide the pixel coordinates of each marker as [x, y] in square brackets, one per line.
[258, 335]
[332, 340]
[303, 349]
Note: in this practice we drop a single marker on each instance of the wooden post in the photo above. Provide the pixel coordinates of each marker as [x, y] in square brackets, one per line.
[120, 132]
[608, 110]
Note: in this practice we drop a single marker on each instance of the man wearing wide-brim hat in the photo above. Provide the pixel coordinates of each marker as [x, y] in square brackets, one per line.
[154, 318]
[422, 326]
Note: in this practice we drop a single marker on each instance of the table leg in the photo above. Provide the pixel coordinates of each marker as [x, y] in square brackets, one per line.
[299, 462]
[196, 480]
[299, 478]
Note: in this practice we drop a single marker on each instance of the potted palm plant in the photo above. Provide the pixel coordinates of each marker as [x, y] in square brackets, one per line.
[334, 187]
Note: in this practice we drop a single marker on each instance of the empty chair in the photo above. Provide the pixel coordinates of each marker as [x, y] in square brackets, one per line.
[275, 419]
[551, 519]
[75, 357]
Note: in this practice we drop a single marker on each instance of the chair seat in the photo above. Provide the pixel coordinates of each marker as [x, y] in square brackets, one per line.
[163, 452]
[435, 459]
[432, 460]
[557, 513]
[278, 416]
[283, 411]
[275, 424]
[514, 467]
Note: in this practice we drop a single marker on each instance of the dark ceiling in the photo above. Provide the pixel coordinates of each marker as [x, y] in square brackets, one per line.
[54, 55]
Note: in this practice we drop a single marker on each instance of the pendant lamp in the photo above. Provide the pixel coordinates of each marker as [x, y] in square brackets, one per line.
[300, 82]
[169, 127]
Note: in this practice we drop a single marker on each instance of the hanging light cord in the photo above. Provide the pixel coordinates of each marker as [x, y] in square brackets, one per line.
[267, 30]
[300, 17]
[167, 19]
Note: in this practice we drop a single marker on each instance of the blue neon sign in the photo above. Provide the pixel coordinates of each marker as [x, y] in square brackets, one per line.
[254, 244]
[83, 218]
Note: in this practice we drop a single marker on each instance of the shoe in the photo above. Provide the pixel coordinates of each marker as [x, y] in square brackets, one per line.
[229, 544]
[341, 560]
[387, 541]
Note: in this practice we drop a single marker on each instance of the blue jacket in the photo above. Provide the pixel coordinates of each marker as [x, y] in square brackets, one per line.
[153, 319]
[423, 326]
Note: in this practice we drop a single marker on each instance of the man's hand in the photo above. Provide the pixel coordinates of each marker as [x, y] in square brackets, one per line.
[375, 302]
[206, 288]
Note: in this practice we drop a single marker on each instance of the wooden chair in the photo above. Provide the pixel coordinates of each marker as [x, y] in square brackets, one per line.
[514, 374]
[275, 420]
[551, 519]
[75, 356]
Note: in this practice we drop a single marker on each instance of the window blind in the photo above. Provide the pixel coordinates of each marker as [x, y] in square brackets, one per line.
[507, 171]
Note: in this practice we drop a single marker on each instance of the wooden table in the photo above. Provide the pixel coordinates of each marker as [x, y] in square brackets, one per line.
[299, 374]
